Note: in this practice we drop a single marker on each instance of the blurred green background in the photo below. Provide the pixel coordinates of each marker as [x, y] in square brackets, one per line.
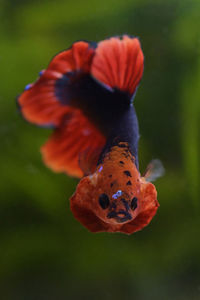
[44, 252]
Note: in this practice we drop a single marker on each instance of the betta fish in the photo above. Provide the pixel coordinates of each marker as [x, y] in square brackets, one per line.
[86, 95]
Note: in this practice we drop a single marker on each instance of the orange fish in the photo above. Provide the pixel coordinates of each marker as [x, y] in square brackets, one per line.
[86, 94]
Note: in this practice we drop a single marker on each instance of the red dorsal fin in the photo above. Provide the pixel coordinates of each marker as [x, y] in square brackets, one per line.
[118, 63]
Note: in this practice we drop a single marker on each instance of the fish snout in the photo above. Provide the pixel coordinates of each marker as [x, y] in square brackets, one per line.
[120, 216]
[120, 211]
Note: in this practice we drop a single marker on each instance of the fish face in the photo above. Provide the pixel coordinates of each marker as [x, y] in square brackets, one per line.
[115, 198]
[119, 210]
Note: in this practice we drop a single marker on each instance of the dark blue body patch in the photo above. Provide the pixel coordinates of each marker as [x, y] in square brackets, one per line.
[103, 106]
[110, 110]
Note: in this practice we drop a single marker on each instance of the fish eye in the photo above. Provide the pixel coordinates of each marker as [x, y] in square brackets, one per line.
[134, 203]
[104, 201]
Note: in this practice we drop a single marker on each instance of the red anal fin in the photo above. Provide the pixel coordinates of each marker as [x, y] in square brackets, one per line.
[76, 135]
[118, 63]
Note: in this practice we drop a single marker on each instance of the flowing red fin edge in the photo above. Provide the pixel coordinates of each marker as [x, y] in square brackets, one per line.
[62, 151]
[118, 63]
[38, 103]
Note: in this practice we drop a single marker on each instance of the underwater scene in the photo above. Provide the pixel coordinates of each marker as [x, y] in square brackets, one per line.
[79, 216]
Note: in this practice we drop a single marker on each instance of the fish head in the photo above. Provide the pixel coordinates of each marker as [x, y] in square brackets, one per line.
[115, 198]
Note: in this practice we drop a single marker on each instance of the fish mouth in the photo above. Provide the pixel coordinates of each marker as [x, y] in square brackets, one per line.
[120, 216]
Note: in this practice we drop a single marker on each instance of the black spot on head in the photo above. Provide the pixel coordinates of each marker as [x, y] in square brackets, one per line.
[134, 203]
[111, 185]
[104, 201]
[121, 162]
[110, 176]
[129, 183]
[127, 173]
